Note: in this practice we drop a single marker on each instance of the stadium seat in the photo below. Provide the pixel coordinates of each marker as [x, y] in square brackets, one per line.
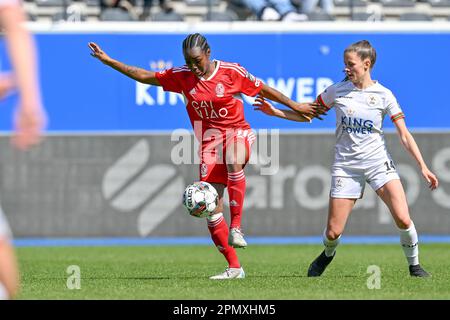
[349, 3]
[320, 16]
[221, 16]
[202, 3]
[163, 16]
[92, 3]
[115, 14]
[415, 16]
[31, 17]
[439, 3]
[68, 16]
[241, 10]
[398, 3]
[52, 3]
[367, 16]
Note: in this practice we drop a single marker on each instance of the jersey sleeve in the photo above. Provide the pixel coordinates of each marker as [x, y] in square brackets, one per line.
[326, 98]
[393, 108]
[169, 80]
[246, 83]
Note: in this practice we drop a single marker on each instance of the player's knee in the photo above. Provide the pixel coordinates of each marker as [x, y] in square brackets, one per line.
[234, 167]
[404, 222]
[236, 161]
[332, 234]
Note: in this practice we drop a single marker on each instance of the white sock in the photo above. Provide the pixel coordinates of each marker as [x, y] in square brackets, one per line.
[3, 293]
[410, 244]
[214, 217]
[330, 245]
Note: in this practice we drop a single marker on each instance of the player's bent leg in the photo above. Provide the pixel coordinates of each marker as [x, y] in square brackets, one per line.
[237, 154]
[339, 210]
[9, 277]
[394, 197]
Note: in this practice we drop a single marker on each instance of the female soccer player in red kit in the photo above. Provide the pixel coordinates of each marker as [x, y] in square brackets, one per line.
[212, 89]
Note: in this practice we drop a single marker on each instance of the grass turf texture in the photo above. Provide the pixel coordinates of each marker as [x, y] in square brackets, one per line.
[273, 272]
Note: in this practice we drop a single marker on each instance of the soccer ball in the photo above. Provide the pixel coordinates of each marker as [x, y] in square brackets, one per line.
[200, 199]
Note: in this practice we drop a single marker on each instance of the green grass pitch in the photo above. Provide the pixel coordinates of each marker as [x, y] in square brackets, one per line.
[273, 272]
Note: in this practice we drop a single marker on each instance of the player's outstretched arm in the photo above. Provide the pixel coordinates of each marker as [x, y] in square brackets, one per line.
[411, 146]
[266, 107]
[310, 110]
[138, 74]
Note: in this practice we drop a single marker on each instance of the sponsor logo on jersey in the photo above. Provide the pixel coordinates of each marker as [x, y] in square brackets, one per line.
[356, 125]
[192, 92]
[203, 170]
[220, 90]
[372, 100]
[350, 112]
[344, 97]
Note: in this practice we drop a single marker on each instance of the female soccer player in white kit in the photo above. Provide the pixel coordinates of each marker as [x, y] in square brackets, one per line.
[361, 155]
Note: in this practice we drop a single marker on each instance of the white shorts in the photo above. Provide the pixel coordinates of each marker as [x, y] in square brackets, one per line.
[350, 183]
[5, 230]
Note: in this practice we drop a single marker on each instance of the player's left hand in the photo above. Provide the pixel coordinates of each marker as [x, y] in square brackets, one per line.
[263, 105]
[432, 180]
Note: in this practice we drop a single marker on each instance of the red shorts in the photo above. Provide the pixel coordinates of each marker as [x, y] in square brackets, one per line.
[213, 168]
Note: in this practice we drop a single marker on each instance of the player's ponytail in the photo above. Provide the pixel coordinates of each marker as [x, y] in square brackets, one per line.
[364, 50]
[195, 40]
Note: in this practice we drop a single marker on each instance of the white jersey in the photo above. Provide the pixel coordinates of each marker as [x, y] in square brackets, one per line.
[359, 120]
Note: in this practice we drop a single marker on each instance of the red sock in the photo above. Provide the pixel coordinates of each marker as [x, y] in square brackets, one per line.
[236, 192]
[219, 234]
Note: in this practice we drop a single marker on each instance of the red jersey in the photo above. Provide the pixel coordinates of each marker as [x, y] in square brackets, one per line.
[215, 101]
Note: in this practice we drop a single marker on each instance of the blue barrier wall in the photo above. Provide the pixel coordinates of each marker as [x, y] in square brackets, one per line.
[81, 94]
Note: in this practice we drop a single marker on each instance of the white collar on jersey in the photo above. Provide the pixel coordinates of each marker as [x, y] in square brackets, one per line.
[214, 72]
[374, 83]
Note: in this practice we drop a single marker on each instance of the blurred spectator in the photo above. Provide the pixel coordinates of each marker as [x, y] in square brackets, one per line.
[121, 4]
[163, 5]
[309, 6]
[274, 10]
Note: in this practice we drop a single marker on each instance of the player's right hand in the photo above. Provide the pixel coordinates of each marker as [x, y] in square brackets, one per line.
[311, 109]
[97, 52]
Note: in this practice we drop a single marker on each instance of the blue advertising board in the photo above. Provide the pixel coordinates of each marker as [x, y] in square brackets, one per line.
[82, 94]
